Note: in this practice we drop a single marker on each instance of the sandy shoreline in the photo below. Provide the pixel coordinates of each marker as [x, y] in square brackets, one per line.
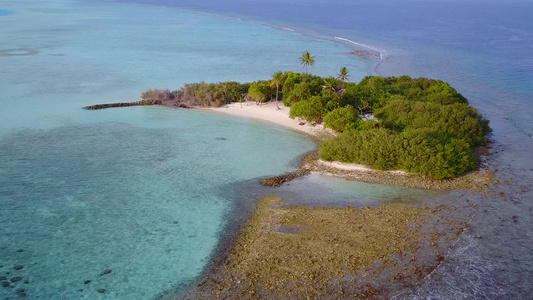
[269, 112]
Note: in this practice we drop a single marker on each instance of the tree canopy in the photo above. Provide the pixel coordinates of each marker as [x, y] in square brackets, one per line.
[425, 126]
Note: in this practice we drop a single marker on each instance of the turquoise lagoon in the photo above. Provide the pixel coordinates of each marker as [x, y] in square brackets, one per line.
[147, 192]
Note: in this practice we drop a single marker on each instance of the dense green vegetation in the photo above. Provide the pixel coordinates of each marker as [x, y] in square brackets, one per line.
[199, 94]
[342, 119]
[424, 125]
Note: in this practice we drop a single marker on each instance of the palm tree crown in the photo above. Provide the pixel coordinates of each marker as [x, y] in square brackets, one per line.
[329, 85]
[343, 76]
[307, 60]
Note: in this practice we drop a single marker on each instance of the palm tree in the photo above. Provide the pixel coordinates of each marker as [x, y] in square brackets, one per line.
[329, 84]
[307, 60]
[343, 76]
[275, 82]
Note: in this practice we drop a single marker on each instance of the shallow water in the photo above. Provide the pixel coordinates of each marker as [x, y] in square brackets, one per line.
[319, 190]
[143, 202]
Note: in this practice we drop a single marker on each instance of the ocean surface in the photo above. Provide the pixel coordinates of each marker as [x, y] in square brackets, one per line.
[149, 192]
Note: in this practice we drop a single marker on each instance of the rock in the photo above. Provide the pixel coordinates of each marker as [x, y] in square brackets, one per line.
[279, 180]
[18, 267]
[86, 282]
[105, 272]
[23, 294]
[20, 290]
[101, 291]
[15, 279]
[5, 283]
[2, 278]
[123, 104]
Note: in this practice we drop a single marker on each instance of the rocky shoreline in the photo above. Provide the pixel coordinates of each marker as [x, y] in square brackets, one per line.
[477, 180]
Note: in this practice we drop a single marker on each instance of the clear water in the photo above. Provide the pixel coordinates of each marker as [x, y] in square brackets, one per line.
[319, 190]
[143, 202]
[147, 192]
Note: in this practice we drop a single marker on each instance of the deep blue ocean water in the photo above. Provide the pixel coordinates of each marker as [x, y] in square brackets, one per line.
[148, 192]
[5, 12]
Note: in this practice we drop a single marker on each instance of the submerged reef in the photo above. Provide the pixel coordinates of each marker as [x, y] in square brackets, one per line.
[285, 252]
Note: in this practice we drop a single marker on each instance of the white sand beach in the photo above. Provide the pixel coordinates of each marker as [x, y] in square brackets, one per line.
[269, 112]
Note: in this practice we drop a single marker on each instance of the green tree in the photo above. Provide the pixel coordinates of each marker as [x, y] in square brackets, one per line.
[342, 119]
[311, 110]
[301, 91]
[307, 60]
[275, 82]
[259, 91]
[329, 85]
[375, 90]
[343, 76]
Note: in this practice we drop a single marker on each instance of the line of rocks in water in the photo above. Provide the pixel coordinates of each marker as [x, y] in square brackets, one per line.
[138, 103]
[279, 180]
[123, 104]
[303, 169]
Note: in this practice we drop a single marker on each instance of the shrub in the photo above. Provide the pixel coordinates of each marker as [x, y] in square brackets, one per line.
[311, 110]
[342, 119]
[419, 151]
[259, 91]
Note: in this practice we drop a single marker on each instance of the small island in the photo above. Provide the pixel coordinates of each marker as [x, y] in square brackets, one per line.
[416, 132]
[416, 125]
